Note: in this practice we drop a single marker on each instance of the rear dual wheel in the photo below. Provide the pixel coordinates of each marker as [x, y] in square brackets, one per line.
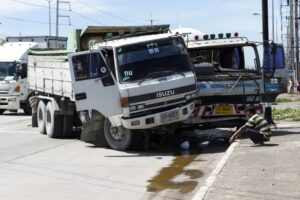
[54, 125]
[53, 122]
[41, 117]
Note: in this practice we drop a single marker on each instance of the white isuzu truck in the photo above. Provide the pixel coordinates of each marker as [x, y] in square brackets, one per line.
[115, 80]
[14, 90]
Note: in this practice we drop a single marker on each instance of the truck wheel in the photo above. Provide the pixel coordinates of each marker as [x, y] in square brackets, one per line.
[41, 117]
[27, 108]
[67, 126]
[34, 121]
[2, 111]
[117, 138]
[53, 122]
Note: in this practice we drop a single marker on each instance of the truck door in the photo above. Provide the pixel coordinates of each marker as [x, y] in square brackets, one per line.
[275, 72]
[94, 86]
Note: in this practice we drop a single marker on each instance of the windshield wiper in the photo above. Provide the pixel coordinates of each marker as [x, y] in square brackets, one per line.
[150, 75]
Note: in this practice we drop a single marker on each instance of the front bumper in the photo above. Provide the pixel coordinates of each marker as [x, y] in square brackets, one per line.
[167, 117]
[9, 102]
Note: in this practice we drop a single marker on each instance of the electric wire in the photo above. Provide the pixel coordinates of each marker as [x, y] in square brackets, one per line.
[105, 12]
[30, 21]
[67, 10]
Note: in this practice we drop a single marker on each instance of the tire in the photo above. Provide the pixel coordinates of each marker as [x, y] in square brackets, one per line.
[27, 108]
[53, 122]
[1, 111]
[120, 140]
[34, 121]
[67, 125]
[41, 117]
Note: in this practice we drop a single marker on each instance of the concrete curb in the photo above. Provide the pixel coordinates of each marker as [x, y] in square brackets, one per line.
[202, 192]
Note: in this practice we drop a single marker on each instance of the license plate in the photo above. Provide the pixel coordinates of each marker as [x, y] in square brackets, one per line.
[169, 116]
[223, 109]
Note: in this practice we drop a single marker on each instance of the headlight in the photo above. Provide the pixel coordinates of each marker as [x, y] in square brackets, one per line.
[194, 95]
[132, 108]
[140, 107]
[12, 99]
[137, 107]
[273, 80]
[191, 96]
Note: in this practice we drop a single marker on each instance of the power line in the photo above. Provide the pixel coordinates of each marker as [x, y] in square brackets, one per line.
[88, 18]
[75, 13]
[30, 21]
[105, 12]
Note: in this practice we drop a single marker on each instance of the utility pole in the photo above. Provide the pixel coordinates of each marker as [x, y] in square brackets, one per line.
[273, 19]
[49, 2]
[57, 16]
[265, 24]
[297, 39]
[58, 2]
[151, 20]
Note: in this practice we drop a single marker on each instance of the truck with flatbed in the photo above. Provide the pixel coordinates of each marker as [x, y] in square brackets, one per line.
[14, 89]
[115, 81]
[230, 78]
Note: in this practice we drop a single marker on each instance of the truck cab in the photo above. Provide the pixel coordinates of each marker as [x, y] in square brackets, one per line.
[230, 77]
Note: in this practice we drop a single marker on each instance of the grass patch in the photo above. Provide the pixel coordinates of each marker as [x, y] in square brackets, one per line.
[286, 114]
[286, 100]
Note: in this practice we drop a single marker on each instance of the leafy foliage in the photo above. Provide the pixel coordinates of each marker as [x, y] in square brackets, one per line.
[286, 114]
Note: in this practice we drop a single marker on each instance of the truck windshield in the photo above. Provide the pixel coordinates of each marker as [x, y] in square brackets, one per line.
[234, 58]
[7, 69]
[137, 61]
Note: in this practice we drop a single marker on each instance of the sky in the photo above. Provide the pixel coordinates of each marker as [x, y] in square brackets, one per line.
[31, 17]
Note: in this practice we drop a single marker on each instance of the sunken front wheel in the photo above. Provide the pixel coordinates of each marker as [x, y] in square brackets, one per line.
[117, 138]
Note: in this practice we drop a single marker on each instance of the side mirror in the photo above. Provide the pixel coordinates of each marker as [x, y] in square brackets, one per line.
[18, 69]
[21, 70]
[274, 57]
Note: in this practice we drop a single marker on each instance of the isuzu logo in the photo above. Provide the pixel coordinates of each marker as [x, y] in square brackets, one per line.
[165, 93]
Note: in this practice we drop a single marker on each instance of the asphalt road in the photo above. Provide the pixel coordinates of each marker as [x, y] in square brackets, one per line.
[35, 167]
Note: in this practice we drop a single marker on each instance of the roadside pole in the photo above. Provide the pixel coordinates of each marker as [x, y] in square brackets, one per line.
[265, 28]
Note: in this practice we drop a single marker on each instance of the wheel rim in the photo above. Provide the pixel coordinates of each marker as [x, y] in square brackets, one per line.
[117, 133]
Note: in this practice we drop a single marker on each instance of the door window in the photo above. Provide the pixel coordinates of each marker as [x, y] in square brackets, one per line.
[89, 66]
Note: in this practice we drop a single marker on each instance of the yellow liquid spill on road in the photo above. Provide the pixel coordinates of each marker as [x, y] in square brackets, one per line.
[164, 179]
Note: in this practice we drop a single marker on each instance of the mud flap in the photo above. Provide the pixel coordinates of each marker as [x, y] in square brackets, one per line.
[93, 130]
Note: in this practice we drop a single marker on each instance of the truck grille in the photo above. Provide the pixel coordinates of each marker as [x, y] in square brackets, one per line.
[4, 91]
[157, 110]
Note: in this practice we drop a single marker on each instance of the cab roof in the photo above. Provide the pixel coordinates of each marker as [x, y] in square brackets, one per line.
[12, 51]
[134, 40]
[219, 42]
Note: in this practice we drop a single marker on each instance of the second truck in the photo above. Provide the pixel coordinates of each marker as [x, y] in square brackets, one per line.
[230, 77]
